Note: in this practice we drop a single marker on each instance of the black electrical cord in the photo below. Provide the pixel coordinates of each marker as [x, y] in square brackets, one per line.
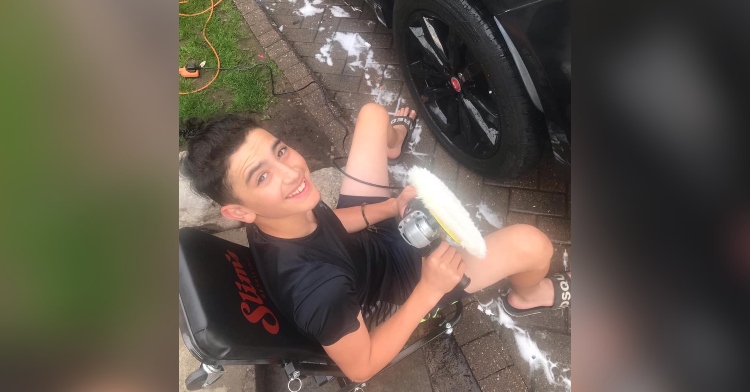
[328, 105]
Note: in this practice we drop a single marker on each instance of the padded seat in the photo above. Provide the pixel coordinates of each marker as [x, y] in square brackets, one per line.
[226, 317]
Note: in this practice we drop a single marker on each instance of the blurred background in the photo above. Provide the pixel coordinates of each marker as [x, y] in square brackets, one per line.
[88, 249]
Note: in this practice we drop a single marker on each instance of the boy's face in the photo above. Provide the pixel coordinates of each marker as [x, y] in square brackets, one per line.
[270, 179]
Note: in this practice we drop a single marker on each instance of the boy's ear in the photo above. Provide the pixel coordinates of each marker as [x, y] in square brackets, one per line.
[238, 213]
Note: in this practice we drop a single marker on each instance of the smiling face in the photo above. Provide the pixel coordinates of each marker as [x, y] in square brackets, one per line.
[269, 179]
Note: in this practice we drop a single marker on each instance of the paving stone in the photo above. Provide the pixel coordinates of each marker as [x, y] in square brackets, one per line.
[527, 179]
[296, 72]
[356, 26]
[340, 82]
[287, 61]
[486, 355]
[506, 380]
[443, 165]
[528, 201]
[352, 101]
[410, 374]
[351, 14]
[299, 35]
[406, 96]
[393, 72]
[368, 13]
[557, 258]
[425, 142]
[517, 217]
[494, 199]
[553, 320]
[284, 9]
[384, 56]
[303, 82]
[260, 28]
[312, 21]
[288, 21]
[337, 65]
[473, 325]
[278, 49]
[448, 369]
[328, 26]
[352, 68]
[269, 38]
[556, 229]
[491, 292]
[556, 346]
[248, 9]
[371, 78]
[386, 92]
[469, 186]
[551, 180]
[377, 40]
[382, 29]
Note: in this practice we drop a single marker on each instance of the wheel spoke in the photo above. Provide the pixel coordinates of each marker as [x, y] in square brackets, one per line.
[452, 120]
[424, 71]
[486, 108]
[465, 125]
[455, 50]
[429, 44]
[432, 94]
[486, 133]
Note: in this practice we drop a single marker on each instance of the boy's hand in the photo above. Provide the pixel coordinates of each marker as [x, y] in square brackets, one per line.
[442, 269]
[404, 198]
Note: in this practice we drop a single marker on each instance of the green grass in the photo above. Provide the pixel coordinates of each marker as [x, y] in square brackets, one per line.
[232, 91]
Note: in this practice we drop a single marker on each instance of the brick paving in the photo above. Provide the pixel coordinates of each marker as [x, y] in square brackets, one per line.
[308, 46]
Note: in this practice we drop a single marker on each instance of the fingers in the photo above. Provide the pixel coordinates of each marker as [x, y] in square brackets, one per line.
[438, 253]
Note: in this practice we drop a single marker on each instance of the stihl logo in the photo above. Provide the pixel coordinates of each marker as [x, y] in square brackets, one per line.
[566, 290]
[249, 295]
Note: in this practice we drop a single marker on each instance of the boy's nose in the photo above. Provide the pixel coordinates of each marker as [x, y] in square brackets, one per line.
[290, 175]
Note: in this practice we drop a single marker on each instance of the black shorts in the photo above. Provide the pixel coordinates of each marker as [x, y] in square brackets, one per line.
[388, 232]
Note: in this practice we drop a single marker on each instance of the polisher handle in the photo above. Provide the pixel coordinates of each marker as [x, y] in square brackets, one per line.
[463, 283]
[427, 250]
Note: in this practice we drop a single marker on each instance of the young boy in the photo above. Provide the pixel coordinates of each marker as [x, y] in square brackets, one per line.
[360, 293]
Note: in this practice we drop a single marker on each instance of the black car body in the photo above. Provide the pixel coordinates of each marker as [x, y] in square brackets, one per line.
[537, 34]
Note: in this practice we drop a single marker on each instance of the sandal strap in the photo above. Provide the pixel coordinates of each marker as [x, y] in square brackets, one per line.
[561, 283]
[404, 120]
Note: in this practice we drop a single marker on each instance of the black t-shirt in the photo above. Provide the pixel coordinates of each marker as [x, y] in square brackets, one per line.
[323, 280]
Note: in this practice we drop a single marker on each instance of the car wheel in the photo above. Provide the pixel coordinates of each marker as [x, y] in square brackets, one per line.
[465, 85]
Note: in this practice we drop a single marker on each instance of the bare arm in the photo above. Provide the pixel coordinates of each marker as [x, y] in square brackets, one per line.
[361, 355]
[352, 219]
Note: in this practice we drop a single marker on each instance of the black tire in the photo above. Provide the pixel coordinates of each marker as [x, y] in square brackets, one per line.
[195, 380]
[520, 138]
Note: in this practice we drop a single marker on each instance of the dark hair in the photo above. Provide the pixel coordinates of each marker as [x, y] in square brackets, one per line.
[210, 143]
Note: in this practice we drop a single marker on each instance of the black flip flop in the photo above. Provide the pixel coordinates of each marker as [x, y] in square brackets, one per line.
[410, 124]
[561, 284]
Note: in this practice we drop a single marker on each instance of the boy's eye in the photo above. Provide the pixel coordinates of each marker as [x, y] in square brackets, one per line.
[262, 177]
[282, 151]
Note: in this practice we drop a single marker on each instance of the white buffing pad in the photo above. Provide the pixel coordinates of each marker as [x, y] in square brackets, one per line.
[448, 211]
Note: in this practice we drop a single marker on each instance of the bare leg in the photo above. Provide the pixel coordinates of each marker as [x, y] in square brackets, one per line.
[374, 141]
[522, 253]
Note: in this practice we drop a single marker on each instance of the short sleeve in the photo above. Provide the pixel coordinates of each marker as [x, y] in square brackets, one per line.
[329, 312]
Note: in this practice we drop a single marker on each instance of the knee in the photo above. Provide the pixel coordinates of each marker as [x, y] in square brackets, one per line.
[533, 244]
[373, 110]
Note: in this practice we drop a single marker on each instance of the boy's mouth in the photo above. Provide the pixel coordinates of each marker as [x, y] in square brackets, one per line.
[300, 191]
